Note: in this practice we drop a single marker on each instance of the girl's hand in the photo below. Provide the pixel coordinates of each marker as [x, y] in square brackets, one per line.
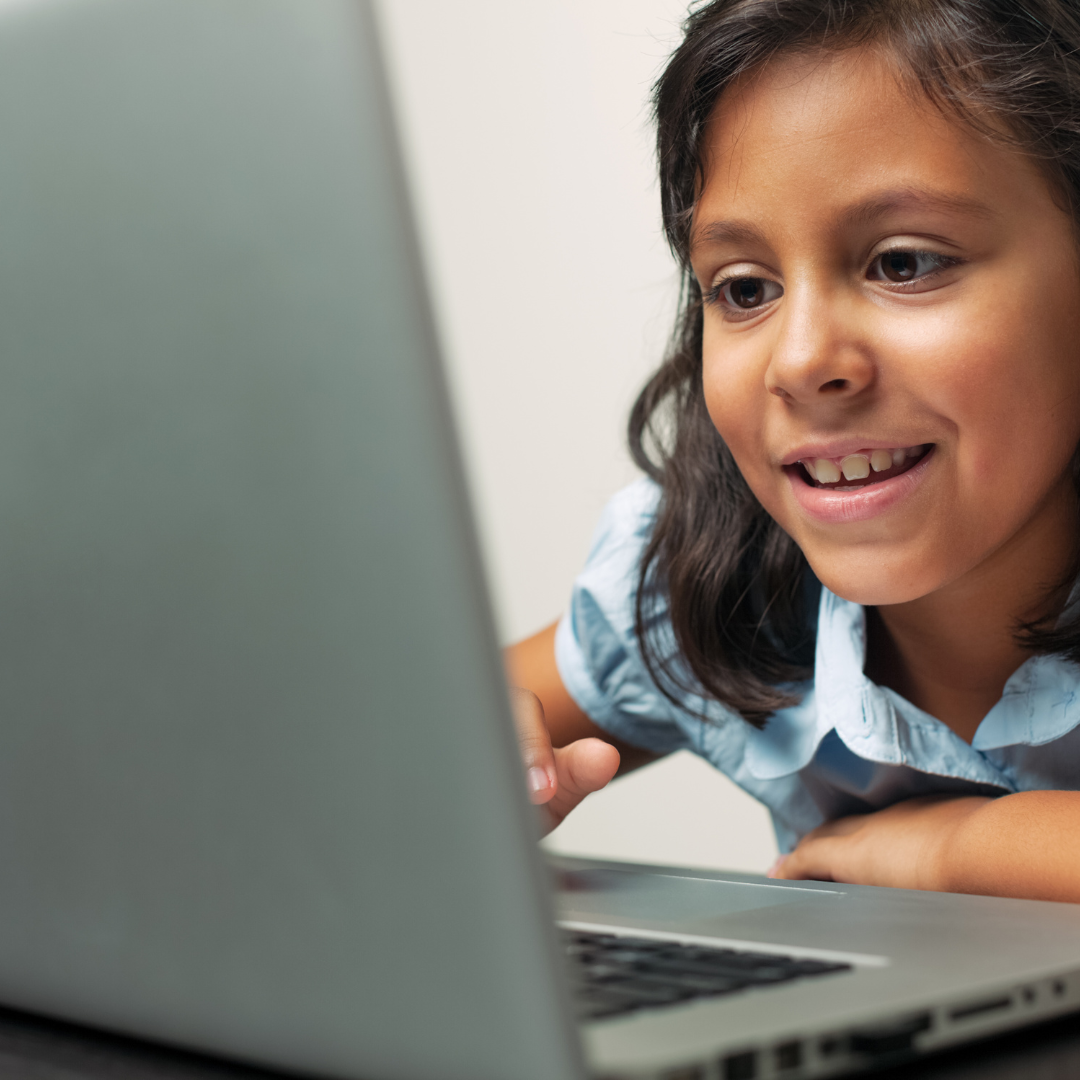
[904, 846]
[558, 779]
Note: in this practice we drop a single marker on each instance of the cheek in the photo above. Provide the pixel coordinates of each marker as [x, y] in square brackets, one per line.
[735, 396]
[741, 408]
[1010, 388]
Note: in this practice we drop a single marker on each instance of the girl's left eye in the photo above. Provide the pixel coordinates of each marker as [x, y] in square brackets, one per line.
[902, 265]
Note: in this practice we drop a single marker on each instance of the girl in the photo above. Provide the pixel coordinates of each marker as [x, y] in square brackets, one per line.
[848, 581]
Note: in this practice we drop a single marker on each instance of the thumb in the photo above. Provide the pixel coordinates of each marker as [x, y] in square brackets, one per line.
[582, 767]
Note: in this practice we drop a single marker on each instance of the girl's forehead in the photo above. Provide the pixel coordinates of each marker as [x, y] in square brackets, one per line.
[819, 133]
[810, 95]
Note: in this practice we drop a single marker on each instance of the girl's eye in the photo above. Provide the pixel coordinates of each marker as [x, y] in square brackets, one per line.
[900, 266]
[745, 294]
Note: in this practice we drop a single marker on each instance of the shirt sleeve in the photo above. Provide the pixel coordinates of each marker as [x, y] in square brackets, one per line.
[596, 650]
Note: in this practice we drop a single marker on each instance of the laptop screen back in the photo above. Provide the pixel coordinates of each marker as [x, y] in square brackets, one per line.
[258, 787]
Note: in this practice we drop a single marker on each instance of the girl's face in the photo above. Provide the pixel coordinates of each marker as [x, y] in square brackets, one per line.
[892, 329]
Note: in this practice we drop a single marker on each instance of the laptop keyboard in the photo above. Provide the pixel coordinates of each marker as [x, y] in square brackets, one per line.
[615, 974]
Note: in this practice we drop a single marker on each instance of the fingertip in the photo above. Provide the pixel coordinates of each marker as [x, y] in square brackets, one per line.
[776, 870]
[589, 764]
[599, 749]
[614, 761]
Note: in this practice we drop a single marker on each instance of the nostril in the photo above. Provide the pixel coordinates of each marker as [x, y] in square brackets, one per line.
[834, 384]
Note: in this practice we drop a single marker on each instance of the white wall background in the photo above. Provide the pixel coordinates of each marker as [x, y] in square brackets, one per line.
[527, 137]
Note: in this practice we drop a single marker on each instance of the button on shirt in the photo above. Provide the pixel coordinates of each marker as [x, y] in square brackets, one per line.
[849, 746]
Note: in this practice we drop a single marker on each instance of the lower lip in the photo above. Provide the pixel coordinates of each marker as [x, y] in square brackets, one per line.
[841, 507]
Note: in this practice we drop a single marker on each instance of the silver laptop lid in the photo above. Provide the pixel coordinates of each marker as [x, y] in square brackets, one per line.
[248, 673]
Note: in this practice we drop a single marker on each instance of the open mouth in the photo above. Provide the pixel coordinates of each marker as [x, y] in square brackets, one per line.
[853, 472]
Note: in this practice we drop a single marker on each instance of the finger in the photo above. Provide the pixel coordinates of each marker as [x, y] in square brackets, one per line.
[844, 826]
[811, 860]
[541, 775]
[583, 767]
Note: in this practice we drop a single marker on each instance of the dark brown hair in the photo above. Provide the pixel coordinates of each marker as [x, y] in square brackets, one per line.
[733, 583]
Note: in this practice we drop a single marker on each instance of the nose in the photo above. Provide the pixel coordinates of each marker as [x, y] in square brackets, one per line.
[818, 356]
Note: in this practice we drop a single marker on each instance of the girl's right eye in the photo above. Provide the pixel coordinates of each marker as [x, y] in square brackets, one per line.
[742, 297]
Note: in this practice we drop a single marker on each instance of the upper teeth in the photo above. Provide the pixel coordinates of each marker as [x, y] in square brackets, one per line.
[857, 466]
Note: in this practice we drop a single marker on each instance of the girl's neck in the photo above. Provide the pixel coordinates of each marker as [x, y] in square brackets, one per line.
[951, 652]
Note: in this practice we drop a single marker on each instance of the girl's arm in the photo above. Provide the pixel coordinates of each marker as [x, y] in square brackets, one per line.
[566, 755]
[1025, 845]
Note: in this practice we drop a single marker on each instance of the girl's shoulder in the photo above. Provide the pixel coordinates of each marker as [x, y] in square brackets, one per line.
[605, 590]
[626, 523]
[596, 649]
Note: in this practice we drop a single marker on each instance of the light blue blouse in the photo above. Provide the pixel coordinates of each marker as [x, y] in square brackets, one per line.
[849, 746]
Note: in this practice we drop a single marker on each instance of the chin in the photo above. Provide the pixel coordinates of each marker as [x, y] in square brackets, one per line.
[874, 586]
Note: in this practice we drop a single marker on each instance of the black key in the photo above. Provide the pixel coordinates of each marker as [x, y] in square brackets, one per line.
[619, 974]
[746, 978]
[694, 952]
[820, 967]
[583, 937]
[762, 975]
[630, 958]
[648, 945]
[750, 961]
[693, 985]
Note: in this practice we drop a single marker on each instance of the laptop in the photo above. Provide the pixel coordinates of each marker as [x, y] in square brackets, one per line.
[260, 794]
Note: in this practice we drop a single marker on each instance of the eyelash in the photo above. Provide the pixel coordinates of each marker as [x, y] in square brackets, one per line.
[941, 262]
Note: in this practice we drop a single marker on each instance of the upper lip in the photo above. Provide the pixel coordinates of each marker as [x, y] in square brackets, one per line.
[839, 448]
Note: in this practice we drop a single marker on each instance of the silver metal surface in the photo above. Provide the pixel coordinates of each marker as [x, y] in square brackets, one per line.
[252, 724]
[912, 952]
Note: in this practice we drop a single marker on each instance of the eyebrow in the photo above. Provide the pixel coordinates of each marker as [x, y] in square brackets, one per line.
[865, 212]
[911, 198]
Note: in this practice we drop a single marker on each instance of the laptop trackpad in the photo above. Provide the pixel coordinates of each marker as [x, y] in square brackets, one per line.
[615, 896]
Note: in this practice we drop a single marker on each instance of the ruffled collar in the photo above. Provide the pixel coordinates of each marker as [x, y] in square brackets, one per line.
[1041, 702]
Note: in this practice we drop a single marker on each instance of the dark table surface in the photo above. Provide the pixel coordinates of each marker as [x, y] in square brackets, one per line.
[38, 1049]
[43, 1050]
